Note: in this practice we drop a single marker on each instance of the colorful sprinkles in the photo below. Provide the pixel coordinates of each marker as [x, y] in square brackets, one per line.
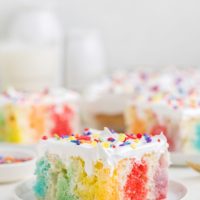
[12, 160]
[107, 138]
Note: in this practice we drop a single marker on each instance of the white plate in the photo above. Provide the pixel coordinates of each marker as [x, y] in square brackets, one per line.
[24, 191]
[23, 146]
[176, 190]
[180, 159]
[17, 171]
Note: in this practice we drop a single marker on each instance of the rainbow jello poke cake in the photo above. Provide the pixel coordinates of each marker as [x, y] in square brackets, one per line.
[102, 165]
[176, 115]
[25, 117]
[106, 100]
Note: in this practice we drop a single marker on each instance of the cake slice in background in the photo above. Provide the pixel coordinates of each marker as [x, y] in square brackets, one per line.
[104, 101]
[177, 116]
[103, 165]
[25, 117]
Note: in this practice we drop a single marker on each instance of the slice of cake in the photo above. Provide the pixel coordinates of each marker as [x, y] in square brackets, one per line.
[26, 116]
[102, 165]
[106, 100]
[176, 116]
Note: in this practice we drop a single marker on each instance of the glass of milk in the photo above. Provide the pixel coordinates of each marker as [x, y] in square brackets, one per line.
[85, 58]
[31, 56]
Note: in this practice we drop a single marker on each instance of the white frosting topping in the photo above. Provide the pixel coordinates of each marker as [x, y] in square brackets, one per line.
[110, 156]
[59, 95]
[110, 95]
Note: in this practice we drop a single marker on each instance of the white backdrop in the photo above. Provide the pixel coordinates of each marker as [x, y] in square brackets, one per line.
[156, 32]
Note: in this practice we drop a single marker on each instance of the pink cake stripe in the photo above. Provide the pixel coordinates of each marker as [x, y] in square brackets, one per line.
[136, 181]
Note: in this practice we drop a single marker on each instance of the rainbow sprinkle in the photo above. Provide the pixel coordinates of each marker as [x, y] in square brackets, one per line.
[108, 139]
[12, 160]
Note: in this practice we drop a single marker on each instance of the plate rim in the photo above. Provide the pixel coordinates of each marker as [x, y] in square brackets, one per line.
[181, 185]
[16, 197]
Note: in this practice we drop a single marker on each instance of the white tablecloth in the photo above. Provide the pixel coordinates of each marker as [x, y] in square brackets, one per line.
[186, 176]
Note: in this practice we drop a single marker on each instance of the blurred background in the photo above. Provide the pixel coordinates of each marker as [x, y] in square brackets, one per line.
[112, 35]
[89, 47]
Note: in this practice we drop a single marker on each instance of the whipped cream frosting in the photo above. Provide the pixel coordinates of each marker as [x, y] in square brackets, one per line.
[59, 95]
[110, 95]
[184, 103]
[106, 146]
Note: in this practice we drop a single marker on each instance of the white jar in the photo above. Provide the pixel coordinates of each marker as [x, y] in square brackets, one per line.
[31, 57]
[85, 60]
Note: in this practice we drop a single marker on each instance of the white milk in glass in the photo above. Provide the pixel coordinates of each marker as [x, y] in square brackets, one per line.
[31, 56]
[30, 67]
[85, 59]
